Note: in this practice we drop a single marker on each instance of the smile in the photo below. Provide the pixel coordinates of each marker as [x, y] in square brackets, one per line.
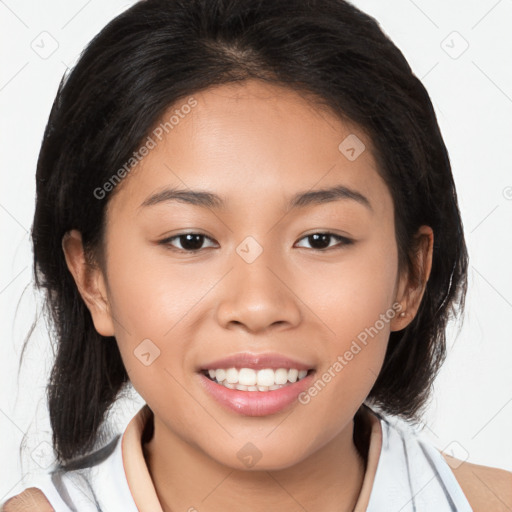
[256, 399]
[248, 379]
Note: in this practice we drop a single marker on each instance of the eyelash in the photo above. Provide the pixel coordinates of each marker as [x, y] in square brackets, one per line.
[344, 241]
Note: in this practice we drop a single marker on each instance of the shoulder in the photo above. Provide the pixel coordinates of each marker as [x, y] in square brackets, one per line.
[486, 488]
[30, 500]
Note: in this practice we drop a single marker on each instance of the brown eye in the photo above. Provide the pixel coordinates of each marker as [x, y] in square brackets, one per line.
[322, 241]
[189, 242]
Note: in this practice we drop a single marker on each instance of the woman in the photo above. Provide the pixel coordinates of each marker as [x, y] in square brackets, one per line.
[246, 210]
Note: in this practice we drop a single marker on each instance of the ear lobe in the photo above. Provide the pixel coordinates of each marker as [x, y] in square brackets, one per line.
[412, 287]
[90, 282]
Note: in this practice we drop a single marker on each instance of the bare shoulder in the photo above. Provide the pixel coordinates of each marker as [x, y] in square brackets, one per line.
[30, 500]
[486, 488]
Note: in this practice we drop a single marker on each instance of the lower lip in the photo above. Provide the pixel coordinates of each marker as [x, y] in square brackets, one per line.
[256, 403]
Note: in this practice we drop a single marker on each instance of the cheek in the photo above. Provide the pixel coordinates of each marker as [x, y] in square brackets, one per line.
[354, 300]
[148, 292]
[352, 295]
[149, 299]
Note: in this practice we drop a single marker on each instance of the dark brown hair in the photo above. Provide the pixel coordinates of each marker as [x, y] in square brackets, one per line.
[160, 51]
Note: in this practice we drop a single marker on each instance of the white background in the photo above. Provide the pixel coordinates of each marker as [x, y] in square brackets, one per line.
[471, 410]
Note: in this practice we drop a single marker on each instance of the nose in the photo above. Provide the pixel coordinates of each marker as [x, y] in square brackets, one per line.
[258, 296]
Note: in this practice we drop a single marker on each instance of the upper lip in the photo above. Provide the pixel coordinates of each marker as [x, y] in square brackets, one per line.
[256, 362]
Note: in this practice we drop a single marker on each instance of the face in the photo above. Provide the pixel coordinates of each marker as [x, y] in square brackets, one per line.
[253, 275]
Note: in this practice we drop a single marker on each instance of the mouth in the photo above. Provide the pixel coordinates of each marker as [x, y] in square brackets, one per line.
[255, 392]
[250, 379]
[256, 384]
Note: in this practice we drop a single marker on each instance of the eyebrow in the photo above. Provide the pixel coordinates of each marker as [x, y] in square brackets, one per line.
[300, 200]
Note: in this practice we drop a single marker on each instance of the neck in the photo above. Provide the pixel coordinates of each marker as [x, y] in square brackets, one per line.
[329, 479]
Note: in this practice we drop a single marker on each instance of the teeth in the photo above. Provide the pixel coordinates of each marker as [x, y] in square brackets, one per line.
[266, 377]
[281, 376]
[232, 375]
[292, 375]
[247, 379]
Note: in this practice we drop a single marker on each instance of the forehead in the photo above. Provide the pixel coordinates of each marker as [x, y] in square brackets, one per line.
[251, 142]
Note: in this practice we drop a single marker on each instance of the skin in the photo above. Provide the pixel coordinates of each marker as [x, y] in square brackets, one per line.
[486, 489]
[255, 145]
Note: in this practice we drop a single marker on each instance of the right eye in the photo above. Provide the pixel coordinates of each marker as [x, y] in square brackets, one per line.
[190, 242]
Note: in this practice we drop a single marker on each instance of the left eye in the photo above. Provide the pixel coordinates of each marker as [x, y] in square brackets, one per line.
[323, 238]
[192, 242]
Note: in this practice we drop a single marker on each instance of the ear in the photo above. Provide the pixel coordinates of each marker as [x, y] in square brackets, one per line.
[412, 283]
[90, 282]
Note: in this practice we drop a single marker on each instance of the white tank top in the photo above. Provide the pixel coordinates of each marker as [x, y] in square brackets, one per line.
[405, 473]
